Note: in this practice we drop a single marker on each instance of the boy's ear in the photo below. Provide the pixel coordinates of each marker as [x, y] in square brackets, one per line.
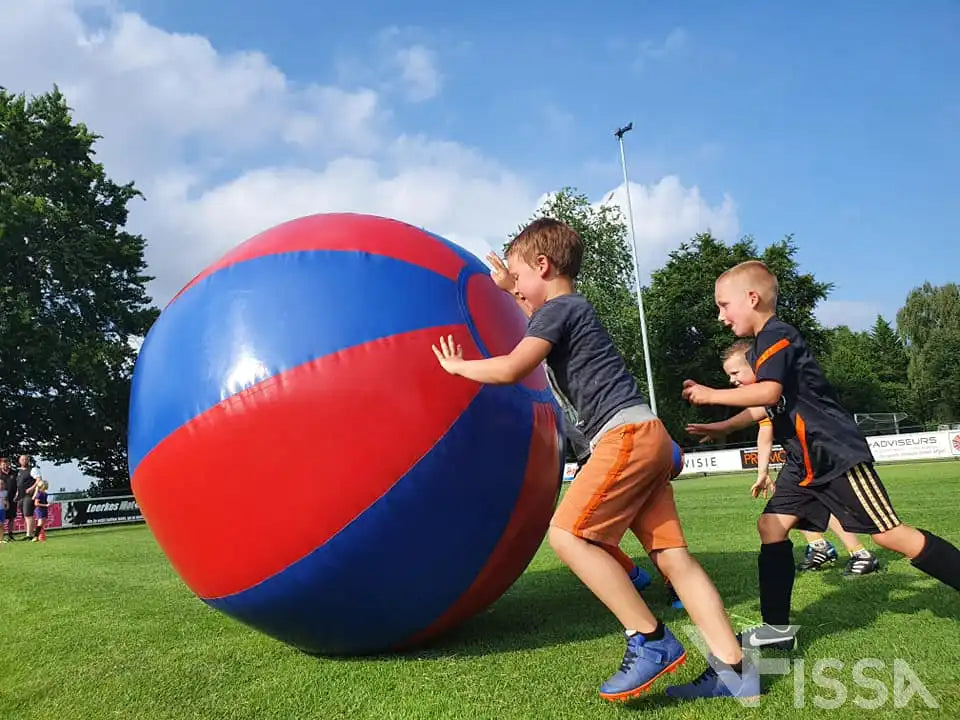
[543, 265]
[753, 297]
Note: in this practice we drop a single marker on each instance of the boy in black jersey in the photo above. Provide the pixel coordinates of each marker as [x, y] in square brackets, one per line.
[829, 466]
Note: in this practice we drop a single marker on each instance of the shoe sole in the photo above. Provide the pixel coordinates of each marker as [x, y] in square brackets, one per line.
[854, 576]
[815, 568]
[638, 691]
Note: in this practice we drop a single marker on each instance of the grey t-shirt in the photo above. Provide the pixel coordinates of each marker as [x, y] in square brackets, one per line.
[587, 367]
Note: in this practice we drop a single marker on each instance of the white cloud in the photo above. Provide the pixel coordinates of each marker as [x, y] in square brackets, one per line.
[157, 96]
[855, 314]
[667, 214]
[398, 62]
[423, 192]
[225, 145]
[419, 72]
[674, 43]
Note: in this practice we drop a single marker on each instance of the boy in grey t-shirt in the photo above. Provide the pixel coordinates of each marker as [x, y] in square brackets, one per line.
[626, 483]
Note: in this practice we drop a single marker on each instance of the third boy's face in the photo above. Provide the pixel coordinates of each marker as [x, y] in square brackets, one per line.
[739, 371]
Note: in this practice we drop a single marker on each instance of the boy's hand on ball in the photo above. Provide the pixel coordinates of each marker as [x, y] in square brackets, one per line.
[500, 275]
[449, 354]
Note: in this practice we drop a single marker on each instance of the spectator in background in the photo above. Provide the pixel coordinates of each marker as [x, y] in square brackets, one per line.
[3, 508]
[27, 477]
[8, 481]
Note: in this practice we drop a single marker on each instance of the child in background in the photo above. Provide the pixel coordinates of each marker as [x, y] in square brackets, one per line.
[41, 506]
[4, 504]
[819, 550]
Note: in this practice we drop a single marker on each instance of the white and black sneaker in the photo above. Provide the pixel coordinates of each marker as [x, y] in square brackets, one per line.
[816, 557]
[859, 565]
[769, 637]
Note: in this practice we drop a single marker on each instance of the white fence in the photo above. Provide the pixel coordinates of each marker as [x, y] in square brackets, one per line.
[886, 448]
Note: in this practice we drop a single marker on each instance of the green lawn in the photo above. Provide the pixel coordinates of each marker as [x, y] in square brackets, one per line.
[99, 626]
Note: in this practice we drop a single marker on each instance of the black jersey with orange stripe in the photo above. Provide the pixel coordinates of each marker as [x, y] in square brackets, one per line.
[820, 437]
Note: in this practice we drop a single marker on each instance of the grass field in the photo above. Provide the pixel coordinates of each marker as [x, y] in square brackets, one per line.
[99, 626]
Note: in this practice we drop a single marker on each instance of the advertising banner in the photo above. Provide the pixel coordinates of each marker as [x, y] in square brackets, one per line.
[87, 512]
[100, 511]
[955, 443]
[750, 458]
[910, 446]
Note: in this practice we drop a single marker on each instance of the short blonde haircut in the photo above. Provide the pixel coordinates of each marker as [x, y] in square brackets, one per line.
[756, 276]
[556, 240]
[740, 347]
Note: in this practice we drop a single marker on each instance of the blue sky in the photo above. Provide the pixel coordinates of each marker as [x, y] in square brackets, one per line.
[839, 125]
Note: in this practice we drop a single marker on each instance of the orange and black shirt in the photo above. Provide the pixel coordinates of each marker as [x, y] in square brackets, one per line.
[818, 434]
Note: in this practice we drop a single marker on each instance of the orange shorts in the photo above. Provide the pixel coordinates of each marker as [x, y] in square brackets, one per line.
[625, 485]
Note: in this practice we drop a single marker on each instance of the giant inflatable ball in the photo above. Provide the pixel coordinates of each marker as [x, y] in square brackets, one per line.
[306, 464]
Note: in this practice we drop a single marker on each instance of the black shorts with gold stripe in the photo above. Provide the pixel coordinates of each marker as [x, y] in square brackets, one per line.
[857, 498]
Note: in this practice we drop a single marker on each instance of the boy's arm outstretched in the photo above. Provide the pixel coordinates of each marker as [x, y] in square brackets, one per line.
[763, 394]
[500, 370]
[718, 430]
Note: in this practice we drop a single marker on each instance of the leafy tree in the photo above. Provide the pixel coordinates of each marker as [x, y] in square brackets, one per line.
[850, 366]
[927, 309]
[72, 291]
[929, 323]
[890, 363]
[686, 338]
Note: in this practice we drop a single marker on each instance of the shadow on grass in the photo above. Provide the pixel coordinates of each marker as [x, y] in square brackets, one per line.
[852, 604]
[552, 607]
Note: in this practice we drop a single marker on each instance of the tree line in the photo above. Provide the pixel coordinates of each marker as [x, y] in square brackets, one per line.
[912, 368]
[73, 304]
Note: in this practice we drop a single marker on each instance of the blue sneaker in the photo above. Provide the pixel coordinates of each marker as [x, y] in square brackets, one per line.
[640, 578]
[721, 680]
[675, 602]
[644, 662]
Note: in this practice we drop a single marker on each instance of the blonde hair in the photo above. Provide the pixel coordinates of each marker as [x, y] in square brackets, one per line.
[740, 347]
[556, 240]
[756, 276]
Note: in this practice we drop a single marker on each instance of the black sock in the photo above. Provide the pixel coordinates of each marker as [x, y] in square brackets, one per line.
[939, 559]
[657, 634]
[776, 573]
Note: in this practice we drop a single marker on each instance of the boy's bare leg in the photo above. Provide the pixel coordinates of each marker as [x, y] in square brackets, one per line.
[701, 600]
[903, 539]
[602, 574]
[850, 541]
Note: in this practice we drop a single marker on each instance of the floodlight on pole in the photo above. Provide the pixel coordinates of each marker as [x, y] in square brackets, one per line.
[636, 269]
